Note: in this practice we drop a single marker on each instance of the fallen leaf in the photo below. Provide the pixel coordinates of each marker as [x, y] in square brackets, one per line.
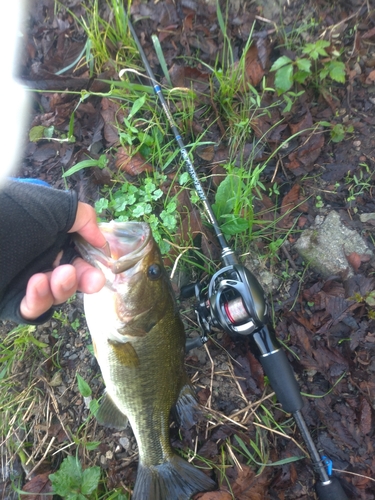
[354, 260]
[369, 34]
[253, 67]
[38, 487]
[290, 199]
[370, 77]
[365, 421]
[214, 495]
[112, 114]
[302, 158]
[246, 485]
[306, 122]
[131, 164]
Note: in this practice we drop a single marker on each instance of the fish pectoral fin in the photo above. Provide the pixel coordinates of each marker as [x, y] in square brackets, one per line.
[124, 353]
[109, 415]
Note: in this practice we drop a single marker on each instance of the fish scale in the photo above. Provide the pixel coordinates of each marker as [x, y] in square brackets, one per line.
[139, 342]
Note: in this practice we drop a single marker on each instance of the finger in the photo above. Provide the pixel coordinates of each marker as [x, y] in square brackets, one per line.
[63, 283]
[86, 225]
[38, 298]
[90, 279]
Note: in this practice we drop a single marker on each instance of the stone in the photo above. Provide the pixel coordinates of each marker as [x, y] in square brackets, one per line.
[325, 247]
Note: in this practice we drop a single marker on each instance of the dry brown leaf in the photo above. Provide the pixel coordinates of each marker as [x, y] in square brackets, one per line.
[290, 199]
[111, 114]
[249, 486]
[253, 68]
[365, 422]
[354, 260]
[38, 487]
[303, 158]
[131, 164]
[306, 122]
[370, 77]
[214, 495]
[369, 34]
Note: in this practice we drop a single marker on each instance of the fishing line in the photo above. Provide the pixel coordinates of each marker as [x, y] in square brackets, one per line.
[227, 255]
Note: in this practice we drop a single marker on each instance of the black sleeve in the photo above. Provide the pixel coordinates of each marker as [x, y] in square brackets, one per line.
[34, 221]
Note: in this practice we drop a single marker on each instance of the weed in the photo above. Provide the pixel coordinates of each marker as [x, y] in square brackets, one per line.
[337, 131]
[130, 202]
[319, 203]
[314, 64]
[255, 455]
[359, 184]
[73, 483]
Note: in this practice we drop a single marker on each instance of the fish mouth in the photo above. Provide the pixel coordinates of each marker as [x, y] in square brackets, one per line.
[128, 243]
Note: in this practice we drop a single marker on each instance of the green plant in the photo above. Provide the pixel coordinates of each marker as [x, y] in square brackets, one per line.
[299, 70]
[359, 184]
[73, 483]
[256, 455]
[337, 131]
[132, 202]
[319, 203]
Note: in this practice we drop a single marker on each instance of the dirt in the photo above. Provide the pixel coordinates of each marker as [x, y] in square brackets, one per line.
[327, 324]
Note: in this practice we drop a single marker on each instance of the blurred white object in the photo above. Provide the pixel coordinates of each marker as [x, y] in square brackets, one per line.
[13, 97]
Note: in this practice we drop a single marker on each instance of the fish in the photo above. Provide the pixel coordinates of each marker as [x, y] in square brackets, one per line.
[139, 342]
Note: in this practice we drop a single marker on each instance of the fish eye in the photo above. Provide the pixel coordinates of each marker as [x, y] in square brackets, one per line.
[154, 272]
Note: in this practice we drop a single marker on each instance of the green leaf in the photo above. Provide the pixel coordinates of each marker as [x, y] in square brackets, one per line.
[90, 480]
[169, 220]
[83, 386]
[338, 133]
[301, 76]
[184, 177]
[101, 205]
[233, 224]
[68, 478]
[314, 50]
[137, 106]
[337, 71]
[92, 445]
[90, 348]
[36, 133]
[94, 406]
[141, 209]
[280, 62]
[284, 79]
[226, 194]
[304, 65]
[370, 299]
[101, 163]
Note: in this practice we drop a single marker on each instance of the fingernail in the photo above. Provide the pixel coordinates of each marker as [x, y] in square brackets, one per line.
[106, 249]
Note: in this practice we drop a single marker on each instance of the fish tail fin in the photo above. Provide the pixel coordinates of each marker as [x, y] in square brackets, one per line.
[176, 479]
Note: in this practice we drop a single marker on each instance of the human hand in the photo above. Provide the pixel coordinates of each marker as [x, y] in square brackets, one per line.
[55, 287]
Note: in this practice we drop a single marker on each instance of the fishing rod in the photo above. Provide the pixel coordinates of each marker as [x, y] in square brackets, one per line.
[237, 303]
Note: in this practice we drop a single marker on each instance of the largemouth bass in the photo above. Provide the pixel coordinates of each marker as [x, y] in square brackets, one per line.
[139, 342]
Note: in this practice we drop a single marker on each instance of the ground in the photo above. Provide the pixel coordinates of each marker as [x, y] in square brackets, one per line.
[326, 322]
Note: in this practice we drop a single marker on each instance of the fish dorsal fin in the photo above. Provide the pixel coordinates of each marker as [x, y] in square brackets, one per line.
[124, 353]
[109, 415]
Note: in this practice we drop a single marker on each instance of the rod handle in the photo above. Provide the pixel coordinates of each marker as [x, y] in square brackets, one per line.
[331, 490]
[281, 376]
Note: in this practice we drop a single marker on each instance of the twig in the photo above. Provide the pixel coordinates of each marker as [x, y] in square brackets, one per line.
[43, 457]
